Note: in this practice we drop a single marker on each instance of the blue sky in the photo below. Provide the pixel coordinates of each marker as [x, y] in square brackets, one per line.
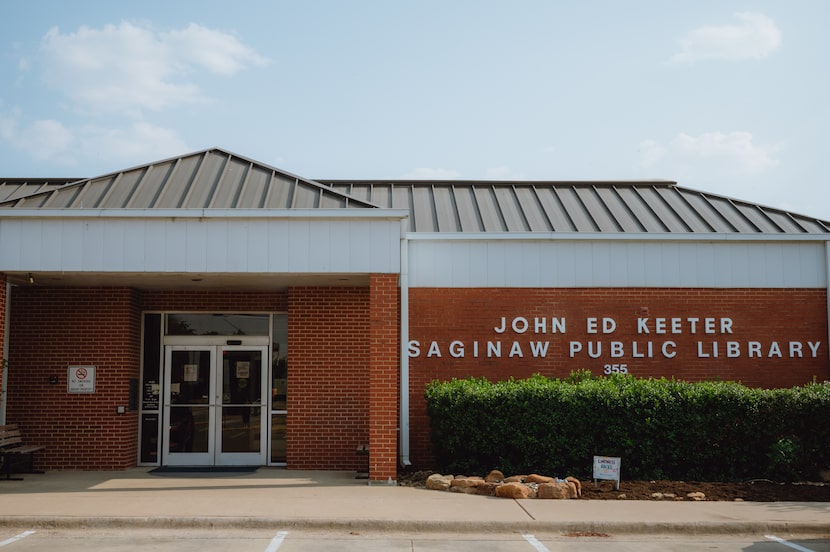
[728, 97]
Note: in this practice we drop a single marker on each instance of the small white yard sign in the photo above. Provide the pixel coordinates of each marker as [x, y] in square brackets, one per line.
[607, 467]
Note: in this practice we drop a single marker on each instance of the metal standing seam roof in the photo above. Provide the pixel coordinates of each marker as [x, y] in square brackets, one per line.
[577, 207]
[217, 179]
[208, 179]
[16, 188]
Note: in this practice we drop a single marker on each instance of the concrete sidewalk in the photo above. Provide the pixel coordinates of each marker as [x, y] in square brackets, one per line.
[277, 498]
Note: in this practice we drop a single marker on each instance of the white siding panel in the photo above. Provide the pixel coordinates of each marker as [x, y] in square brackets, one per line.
[319, 252]
[155, 240]
[51, 247]
[134, 239]
[476, 258]
[298, 246]
[257, 246]
[175, 246]
[92, 255]
[617, 264]
[197, 246]
[113, 252]
[278, 240]
[757, 265]
[236, 247]
[634, 263]
[564, 255]
[72, 236]
[775, 260]
[217, 252]
[11, 241]
[461, 269]
[496, 258]
[582, 262]
[200, 245]
[340, 246]
[360, 234]
[32, 255]
[601, 265]
[385, 246]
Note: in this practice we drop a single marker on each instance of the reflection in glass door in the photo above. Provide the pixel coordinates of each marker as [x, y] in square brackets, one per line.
[187, 412]
[215, 405]
[241, 432]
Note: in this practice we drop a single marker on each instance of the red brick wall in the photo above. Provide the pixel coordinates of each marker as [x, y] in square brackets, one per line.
[228, 301]
[384, 376]
[52, 329]
[757, 315]
[2, 324]
[328, 376]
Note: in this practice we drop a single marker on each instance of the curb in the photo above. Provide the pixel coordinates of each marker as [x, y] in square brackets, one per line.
[420, 526]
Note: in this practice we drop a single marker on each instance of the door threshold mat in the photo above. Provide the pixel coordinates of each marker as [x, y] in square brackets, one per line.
[204, 469]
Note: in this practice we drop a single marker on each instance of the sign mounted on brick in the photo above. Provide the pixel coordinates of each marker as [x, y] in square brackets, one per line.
[80, 379]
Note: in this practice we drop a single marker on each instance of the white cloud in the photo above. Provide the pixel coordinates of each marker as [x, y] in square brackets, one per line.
[46, 140]
[755, 36]
[49, 141]
[43, 140]
[216, 51]
[425, 173]
[136, 143]
[735, 148]
[731, 152]
[128, 67]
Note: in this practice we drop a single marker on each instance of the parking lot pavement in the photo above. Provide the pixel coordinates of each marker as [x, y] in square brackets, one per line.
[235, 540]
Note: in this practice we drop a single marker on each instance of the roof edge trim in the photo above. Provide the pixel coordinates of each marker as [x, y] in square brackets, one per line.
[205, 213]
[614, 236]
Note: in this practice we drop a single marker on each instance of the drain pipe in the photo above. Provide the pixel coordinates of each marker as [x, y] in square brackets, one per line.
[404, 403]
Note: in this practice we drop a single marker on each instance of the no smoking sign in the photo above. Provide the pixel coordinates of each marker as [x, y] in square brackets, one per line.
[80, 379]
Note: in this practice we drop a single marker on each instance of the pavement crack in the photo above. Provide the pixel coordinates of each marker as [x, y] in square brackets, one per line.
[524, 509]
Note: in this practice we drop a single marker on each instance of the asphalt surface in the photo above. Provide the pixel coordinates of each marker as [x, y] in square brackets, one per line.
[322, 500]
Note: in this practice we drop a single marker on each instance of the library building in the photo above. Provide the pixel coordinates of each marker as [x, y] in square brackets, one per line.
[212, 310]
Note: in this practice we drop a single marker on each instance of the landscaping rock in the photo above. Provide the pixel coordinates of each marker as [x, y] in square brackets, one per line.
[576, 483]
[467, 482]
[494, 476]
[536, 478]
[438, 482]
[555, 490]
[513, 490]
[487, 489]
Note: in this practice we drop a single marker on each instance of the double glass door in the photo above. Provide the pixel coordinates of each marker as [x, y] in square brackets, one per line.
[215, 405]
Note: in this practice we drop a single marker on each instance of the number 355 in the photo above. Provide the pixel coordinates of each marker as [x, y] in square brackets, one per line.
[616, 369]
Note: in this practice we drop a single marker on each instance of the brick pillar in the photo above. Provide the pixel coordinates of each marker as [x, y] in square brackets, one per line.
[3, 330]
[383, 376]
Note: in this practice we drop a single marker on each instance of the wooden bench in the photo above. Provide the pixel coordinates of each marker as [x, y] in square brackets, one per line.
[13, 453]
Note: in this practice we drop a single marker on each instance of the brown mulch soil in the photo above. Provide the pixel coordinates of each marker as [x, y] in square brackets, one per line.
[755, 491]
[759, 490]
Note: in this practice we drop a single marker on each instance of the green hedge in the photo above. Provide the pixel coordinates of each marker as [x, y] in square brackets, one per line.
[662, 429]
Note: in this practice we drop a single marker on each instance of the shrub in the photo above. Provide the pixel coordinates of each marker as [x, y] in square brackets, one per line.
[661, 428]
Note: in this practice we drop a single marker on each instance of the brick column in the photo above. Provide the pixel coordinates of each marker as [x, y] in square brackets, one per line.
[383, 376]
[3, 329]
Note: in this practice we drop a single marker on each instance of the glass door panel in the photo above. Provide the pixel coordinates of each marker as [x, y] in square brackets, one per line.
[188, 415]
[241, 431]
[215, 406]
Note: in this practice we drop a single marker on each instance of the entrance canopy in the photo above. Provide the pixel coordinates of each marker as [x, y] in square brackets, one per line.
[208, 220]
